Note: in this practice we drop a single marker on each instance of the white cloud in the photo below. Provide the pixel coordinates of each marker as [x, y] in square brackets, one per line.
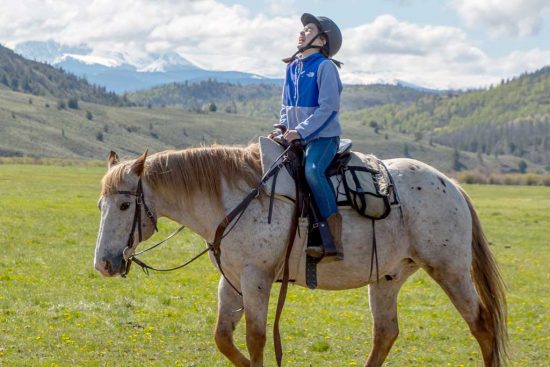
[229, 37]
[516, 18]
[432, 56]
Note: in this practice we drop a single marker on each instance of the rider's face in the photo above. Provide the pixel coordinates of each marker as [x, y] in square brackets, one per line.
[309, 31]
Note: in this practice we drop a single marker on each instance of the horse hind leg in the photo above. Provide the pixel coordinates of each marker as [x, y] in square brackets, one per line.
[230, 311]
[383, 304]
[460, 289]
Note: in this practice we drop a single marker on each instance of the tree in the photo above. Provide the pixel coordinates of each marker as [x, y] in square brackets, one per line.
[61, 105]
[457, 165]
[89, 115]
[73, 103]
[522, 166]
[99, 136]
[212, 107]
[406, 152]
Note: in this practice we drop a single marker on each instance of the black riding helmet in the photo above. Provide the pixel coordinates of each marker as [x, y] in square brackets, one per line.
[329, 29]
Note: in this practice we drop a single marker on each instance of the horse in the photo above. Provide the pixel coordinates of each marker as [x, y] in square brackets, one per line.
[437, 230]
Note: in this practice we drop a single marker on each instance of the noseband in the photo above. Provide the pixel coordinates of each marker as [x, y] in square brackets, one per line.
[139, 201]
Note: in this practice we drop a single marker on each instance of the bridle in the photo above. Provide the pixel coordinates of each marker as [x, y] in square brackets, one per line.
[139, 201]
[129, 258]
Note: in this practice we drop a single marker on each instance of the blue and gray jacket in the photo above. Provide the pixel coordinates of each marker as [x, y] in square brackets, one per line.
[311, 98]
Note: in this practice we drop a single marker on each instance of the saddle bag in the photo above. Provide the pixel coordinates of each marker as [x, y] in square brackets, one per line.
[367, 186]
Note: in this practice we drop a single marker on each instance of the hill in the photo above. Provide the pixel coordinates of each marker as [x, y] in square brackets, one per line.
[264, 99]
[32, 126]
[511, 118]
[22, 75]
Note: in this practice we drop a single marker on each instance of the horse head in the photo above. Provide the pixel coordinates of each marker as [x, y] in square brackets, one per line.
[127, 218]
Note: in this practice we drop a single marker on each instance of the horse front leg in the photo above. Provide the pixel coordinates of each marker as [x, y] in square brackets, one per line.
[230, 311]
[256, 287]
[383, 304]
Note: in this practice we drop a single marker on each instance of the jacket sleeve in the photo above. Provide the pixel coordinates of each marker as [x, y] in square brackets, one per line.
[330, 87]
[283, 116]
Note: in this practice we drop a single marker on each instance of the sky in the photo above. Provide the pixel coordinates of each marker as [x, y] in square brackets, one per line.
[436, 44]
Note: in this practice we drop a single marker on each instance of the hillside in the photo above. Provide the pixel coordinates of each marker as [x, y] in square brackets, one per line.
[33, 126]
[264, 99]
[22, 75]
[511, 118]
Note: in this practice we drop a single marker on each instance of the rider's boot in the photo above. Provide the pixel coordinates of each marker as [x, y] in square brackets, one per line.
[335, 228]
[330, 233]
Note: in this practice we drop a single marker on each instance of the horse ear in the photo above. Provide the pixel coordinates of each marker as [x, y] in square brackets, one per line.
[112, 159]
[139, 165]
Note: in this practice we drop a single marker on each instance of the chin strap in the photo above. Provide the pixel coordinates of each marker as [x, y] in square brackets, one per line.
[288, 60]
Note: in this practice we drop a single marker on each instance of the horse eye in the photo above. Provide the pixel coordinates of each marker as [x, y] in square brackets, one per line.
[124, 206]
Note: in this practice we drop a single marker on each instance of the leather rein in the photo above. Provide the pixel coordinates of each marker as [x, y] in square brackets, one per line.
[128, 259]
[214, 246]
[288, 156]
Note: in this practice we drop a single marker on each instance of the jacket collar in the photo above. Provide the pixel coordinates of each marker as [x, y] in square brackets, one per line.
[312, 57]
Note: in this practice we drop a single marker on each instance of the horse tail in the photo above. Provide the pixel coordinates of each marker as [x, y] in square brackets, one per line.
[490, 286]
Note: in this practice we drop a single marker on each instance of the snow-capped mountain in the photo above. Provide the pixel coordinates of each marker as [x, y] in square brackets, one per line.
[120, 73]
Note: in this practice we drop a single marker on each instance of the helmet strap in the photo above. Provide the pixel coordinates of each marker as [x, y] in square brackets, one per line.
[288, 60]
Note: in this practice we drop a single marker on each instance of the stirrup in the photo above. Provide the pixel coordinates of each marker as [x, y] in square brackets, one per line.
[318, 252]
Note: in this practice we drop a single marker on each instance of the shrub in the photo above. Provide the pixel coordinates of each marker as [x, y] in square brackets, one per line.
[73, 103]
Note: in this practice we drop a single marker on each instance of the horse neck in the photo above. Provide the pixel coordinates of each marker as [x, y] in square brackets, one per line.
[197, 209]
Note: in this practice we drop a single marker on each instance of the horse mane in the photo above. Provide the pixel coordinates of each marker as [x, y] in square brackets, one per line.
[182, 173]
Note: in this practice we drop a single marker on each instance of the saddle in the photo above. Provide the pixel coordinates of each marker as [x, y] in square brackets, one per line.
[360, 181]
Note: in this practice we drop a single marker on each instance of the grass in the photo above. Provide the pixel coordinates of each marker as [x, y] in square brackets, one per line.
[56, 310]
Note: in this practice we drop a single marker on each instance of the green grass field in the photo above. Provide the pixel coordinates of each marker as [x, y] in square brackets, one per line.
[56, 310]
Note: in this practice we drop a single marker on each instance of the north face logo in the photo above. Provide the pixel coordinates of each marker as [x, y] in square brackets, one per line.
[311, 74]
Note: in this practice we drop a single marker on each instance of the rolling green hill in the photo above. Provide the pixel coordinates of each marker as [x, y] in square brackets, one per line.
[512, 118]
[20, 74]
[34, 126]
[263, 99]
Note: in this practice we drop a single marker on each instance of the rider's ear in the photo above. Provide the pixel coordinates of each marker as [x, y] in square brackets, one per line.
[112, 159]
[139, 165]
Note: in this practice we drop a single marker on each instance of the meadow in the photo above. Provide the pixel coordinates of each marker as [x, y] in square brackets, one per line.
[56, 310]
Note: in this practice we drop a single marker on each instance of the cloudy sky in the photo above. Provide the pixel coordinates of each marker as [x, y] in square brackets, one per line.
[434, 43]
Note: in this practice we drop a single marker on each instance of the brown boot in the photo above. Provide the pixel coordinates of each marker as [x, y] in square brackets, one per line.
[335, 227]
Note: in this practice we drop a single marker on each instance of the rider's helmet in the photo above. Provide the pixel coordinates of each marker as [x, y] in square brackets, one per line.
[327, 28]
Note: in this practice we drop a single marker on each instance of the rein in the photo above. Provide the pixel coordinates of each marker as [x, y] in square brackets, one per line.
[140, 201]
[215, 246]
[288, 156]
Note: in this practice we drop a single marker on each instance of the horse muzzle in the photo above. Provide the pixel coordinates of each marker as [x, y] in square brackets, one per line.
[109, 267]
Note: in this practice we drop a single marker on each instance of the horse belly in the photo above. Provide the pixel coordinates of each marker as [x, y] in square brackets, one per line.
[357, 240]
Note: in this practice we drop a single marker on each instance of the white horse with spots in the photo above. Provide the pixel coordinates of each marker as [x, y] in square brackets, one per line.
[440, 232]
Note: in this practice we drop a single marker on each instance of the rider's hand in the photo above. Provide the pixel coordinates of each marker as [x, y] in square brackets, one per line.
[292, 135]
[275, 133]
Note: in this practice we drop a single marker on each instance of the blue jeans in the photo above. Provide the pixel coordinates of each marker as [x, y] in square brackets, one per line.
[319, 154]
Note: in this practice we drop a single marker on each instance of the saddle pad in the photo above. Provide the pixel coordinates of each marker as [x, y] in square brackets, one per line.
[270, 151]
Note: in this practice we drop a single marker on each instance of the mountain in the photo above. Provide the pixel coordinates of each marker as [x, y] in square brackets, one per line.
[121, 73]
[20, 74]
[511, 118]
